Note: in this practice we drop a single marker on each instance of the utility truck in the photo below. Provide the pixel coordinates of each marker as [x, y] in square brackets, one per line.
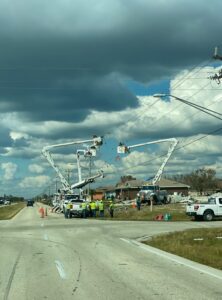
[68, 191]
[151, 191]
[206, 211]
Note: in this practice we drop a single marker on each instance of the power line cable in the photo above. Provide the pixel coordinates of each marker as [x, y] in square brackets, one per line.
[144, 163]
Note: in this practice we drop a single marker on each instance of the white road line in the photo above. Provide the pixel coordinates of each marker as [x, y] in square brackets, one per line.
[60, 269]
[46, 237]
[180, 260]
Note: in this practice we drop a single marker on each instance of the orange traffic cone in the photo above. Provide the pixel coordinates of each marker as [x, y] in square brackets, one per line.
[159, 218]
[42, 212]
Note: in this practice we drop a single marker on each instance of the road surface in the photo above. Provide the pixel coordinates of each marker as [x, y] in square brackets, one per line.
[56, 258]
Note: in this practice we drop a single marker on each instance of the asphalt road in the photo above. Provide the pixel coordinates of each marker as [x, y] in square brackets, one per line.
[56, 258]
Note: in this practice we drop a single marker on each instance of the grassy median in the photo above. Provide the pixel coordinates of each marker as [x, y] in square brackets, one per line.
[9, 211]
[200, 245]
[176, 211]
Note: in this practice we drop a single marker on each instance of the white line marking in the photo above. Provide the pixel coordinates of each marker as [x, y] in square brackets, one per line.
[125, 240]
[60, 269]
[180, 260]
[46, 237]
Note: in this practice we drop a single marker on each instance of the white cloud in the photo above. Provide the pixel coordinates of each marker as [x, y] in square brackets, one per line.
[9, 169]
[34, 168]
[18, 135]
[35, 181]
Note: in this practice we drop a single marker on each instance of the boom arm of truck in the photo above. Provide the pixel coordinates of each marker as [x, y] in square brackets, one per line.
[90, 152]
[84, 182]
[173, 143]
[96, 142]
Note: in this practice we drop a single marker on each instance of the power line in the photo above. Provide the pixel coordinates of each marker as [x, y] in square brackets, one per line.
[177, 149]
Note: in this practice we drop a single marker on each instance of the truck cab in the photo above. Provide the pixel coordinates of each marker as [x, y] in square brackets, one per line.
[206, 211]
[153, 191]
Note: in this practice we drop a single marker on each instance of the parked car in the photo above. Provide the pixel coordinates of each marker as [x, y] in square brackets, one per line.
[1, 201]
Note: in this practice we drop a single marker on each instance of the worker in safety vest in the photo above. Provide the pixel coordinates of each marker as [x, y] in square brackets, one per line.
[111, 209]
[101, 209]
[84, 209]
[93, 208]
[68, 207]
[138, 202]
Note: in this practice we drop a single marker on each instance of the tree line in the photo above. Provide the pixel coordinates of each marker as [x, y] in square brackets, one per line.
[200, 180]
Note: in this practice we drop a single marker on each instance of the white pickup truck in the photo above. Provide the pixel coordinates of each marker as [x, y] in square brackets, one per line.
[207, 211]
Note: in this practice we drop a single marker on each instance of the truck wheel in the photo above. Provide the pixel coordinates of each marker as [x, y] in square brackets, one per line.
[208, 215]
[165, 200]
[169, 200]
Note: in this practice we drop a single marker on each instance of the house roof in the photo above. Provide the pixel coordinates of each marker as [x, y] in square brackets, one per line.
[163, 183]
[130, 184]
[104, 189]
[171, 183]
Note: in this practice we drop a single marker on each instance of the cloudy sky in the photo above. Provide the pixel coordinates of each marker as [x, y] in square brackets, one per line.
[72, 69]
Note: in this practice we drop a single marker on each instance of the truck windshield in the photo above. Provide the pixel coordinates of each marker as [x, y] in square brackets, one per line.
[148, 188]
[212, 200]
[72, 196]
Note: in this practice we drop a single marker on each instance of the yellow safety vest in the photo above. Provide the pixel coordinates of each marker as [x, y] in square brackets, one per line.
[93, 205]
[69, 206]
[83, 205]
[101, 206]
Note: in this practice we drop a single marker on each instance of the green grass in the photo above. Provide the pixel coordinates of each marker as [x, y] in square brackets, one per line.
[9, 211]
[177, 212]
[200, 245]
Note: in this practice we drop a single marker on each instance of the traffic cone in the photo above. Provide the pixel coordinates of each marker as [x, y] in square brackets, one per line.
[159, 218]
[133, 205]
[42, 212]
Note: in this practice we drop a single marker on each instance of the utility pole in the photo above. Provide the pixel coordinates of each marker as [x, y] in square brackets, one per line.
[68, 172]
[90, 168]
[216, 55]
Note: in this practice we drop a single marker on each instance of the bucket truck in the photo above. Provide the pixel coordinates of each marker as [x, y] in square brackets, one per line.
[152, 190]
[67, 191]
[76, 209]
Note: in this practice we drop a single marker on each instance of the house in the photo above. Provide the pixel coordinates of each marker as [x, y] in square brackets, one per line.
[130, 188]
[172, 186]
[104, 193]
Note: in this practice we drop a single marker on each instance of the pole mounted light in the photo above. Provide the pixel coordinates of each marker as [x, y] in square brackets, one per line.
[206, 110]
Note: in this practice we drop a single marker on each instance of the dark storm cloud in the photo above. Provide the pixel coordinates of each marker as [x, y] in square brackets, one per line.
[5, 140]
[61, 59]
[65, 99]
